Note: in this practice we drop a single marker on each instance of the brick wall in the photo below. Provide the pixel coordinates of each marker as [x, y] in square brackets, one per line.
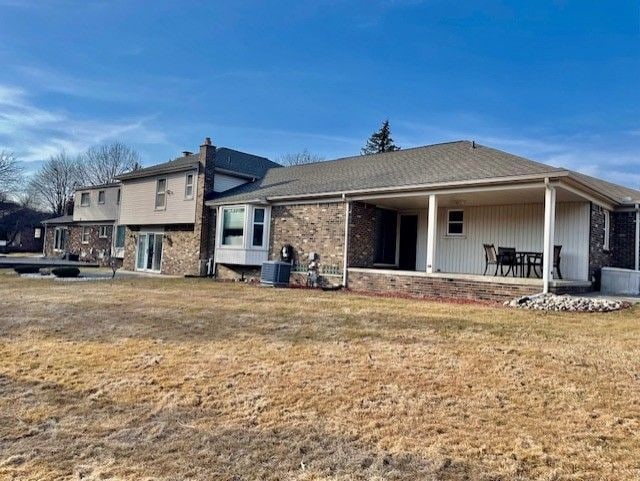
[309, 228]
[431, 287]
[623, 239]
[598, 257]
[362, 235]
[88, 252]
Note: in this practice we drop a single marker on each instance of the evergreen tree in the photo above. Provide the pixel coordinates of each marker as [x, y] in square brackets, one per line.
[380, 141]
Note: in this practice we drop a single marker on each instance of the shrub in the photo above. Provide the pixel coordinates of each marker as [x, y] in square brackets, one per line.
[26, 269]
[65, 271]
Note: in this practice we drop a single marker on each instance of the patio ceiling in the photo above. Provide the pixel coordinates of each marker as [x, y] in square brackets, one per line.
[521, 195]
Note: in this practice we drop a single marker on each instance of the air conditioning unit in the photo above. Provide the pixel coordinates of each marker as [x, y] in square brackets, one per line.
[275, 273]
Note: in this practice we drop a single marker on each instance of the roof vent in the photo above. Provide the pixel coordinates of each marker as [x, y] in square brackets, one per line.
[207, 141]
[473, 144]
[186, 153]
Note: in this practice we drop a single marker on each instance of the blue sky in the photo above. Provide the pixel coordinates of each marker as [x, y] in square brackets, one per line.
[556, 81]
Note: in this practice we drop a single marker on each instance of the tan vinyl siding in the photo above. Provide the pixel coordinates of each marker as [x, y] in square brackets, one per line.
[139, 200]
[96, 211]
[223, 182]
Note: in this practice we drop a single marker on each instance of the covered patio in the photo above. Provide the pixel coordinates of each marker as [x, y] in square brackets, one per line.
[539, 234]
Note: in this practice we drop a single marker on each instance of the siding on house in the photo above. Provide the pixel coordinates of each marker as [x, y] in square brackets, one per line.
[96, 211]
[139, 195]
[519, 226]
[222, 182]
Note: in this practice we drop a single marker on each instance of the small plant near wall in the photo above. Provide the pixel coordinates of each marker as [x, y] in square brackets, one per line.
[26, 269]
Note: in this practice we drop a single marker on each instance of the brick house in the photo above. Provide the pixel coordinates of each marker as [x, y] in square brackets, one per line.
[91, 232]
[167, 225]
[416, 221]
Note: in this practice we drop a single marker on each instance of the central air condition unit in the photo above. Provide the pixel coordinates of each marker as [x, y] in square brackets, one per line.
[275, 273]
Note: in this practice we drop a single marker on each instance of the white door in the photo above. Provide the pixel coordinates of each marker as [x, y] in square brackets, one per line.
[149, 256]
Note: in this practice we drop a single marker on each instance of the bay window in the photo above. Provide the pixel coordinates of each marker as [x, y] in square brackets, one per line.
[233, 226]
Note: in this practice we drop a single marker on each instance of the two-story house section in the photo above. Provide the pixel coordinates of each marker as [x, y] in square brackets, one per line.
[91, 231]
[169, 229]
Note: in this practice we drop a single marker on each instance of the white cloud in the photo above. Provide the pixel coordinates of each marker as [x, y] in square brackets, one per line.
[35, 133]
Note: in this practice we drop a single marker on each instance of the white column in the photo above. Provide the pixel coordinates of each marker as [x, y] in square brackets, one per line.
[432, 234]
[638, 237]
[549, 236]
[345, 258]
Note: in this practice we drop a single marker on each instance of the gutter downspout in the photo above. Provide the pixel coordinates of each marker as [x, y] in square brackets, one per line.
[345, 257]
[637, 256]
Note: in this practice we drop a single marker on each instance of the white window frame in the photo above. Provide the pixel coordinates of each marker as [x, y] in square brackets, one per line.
[606, 245]
[163, 193]
[37, 233]
[117, 228]
[187, 185]
[103, 228]
[103, 194]
[82, 197]
[85, 232]
[263, 224]
[57, 239]
[456, 222]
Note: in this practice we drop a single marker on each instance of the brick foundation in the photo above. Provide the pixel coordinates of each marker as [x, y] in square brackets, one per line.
[436, 287]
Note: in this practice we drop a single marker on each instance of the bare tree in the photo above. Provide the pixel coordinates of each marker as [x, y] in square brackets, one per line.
[54, 183]
[102, 163]
[299, 158]
[10, 173]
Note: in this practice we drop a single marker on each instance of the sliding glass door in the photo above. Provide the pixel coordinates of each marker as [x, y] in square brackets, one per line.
[149, 257]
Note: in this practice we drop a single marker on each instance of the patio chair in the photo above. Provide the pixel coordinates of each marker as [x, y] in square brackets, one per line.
[507, 257]
[536, 261]
[490, 258]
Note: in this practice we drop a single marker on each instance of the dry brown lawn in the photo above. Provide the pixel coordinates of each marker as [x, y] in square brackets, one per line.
[175, 379]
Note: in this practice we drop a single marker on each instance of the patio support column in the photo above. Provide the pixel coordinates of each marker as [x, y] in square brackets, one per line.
[549, 235]
[432, 233]
[638, 237]
[345, 258]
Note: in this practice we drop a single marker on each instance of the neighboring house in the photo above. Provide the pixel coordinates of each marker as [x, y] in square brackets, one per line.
[92, 231]
[163, 208]
[415, 221]
[20, 228]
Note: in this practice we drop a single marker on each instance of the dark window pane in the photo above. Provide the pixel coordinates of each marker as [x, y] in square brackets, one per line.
[258, 215]
[456, 216]
[455, 228]
[258, 230]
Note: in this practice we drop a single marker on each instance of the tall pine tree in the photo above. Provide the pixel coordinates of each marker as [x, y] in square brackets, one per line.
[380, 141]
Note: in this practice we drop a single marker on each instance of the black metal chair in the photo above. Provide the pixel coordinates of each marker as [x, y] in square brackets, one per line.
[490, 258]
[536, 261]
[507, 257]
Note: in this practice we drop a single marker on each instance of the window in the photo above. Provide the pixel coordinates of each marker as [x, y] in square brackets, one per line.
[59, 238]
[232, 226]
[161, 193]
[118, 197]
[104, 231]
[37, 233]
[188, 187]
[85, 234]
[258, 227]
[386, 235]
[85, 199]
[607, 229]
[455, 222]
[101, 197]
[120, 231]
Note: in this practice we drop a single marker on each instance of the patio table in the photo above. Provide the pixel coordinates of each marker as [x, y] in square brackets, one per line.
[523, 257]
